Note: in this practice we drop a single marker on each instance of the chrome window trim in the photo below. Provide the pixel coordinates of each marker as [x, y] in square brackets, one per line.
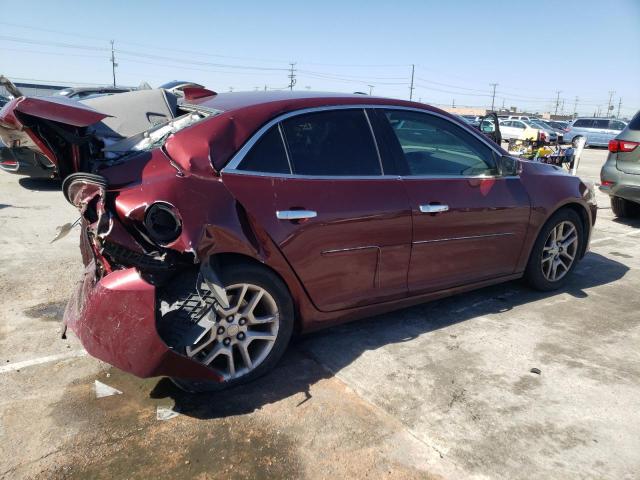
[232, 165]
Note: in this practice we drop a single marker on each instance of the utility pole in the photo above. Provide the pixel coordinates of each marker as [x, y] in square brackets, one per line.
[619, 105]
[413, 70]
[558, 92]
[493, 95]
[562, 107]
[609, 106]
[113, 64]
[292, 75]
[575, 107]
[370, 89]
[453, 103]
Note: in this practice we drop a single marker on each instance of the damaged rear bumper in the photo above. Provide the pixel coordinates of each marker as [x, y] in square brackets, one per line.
[115, 319]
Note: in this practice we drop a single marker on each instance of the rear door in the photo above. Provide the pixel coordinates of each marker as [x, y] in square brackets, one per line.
[490, 127]
[600, 135]
[316, 183]
[469, 222]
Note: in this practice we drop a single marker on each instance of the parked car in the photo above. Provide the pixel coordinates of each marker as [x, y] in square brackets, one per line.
[519, 117]
[517, 130]
[123, 122]
[596, 131]
[209, 239]
[547, 133]
[81, 93]
[24, 161]
[177, 86]
[620, 175]
[472, 120]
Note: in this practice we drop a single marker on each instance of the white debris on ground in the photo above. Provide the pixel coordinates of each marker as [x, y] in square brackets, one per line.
[104, 390]
[165, 413]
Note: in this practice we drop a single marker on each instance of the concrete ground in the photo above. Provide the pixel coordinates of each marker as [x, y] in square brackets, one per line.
[441, 390]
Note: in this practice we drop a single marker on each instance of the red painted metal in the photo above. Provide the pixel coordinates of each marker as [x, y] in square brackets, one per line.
[369, 250]
[114, 318]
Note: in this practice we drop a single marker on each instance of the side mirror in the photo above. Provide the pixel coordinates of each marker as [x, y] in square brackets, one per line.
[487, 126]
[509, 166]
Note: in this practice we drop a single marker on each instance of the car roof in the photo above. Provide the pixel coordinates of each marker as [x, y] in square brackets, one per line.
[273, 103]
[243, 113]
[95, 89]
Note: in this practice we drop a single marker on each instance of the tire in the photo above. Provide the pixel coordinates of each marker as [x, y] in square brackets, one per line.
[539, 274]
[623, 208]
[234, 277]
[574, 141]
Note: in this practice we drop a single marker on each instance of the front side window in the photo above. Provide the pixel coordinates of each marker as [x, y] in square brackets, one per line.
[333, 143]
[267, 155]
[435, 146]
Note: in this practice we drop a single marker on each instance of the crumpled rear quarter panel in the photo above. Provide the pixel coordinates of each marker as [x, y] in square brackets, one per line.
[115, 319]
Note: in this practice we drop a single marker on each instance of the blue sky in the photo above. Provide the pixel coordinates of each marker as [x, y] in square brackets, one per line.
[531, 49]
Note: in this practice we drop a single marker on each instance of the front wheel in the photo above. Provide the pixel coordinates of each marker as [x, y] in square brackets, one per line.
[556, 251]
[244, 341]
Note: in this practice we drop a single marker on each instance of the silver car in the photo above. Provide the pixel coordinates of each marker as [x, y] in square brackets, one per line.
[620, 175]
[550, 133]
[596, 131]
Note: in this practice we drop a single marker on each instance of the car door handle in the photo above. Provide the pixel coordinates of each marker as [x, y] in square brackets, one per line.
[434, 208]
[295, 214]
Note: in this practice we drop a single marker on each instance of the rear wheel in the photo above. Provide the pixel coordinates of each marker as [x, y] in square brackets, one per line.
[624, 208]
[244, 341]
[556, 251]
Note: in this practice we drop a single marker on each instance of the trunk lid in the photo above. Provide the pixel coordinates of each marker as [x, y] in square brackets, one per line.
[51, 126]
[83, 136]
[629, 161]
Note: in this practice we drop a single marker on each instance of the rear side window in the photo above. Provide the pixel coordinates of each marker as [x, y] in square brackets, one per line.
[435, 146]
[333, 143]
[604, 124]
[616, 125]
[634, 124]
[267, 155]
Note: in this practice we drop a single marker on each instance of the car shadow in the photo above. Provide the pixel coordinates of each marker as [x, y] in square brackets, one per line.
[630, 222]
[40, 184]
[298, 370]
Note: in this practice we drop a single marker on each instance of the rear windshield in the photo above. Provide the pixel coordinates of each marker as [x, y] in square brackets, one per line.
[634, 124]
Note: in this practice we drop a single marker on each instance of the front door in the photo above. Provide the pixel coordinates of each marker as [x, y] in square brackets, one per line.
[469, 222]
[315, 182]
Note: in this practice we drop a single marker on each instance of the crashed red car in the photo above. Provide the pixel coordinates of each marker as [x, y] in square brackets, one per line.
[214, 228]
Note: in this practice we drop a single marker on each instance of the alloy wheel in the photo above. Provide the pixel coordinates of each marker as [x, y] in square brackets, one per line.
[559, 251]
[236, 340]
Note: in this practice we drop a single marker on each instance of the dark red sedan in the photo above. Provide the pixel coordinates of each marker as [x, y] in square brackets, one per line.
[214, 228]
